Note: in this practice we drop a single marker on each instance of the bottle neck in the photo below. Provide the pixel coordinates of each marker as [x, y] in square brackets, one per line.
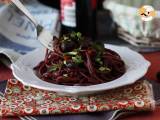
[86, 14]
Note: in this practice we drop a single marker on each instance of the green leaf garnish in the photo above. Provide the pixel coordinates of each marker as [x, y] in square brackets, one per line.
[53, 68]
[77, 59]
[98, 46]
[65, 38]
[65, 62]
[73, 34]
[79, 35]
[98, 60]
[102, 69]
[71, 53]
[65, 75]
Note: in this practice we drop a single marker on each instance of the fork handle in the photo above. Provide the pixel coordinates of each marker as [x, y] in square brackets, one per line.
[23, 9]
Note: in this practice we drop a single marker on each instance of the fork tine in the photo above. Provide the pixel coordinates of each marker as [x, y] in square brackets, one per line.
[46, 39]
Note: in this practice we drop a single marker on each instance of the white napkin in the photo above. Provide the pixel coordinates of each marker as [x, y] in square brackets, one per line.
[18, 33]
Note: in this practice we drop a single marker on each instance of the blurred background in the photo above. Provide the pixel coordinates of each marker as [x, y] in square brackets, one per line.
[107, 21]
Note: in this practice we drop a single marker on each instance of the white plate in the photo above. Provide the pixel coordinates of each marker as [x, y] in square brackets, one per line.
[136, 67]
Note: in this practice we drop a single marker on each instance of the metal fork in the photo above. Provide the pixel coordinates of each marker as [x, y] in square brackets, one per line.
[44, 36]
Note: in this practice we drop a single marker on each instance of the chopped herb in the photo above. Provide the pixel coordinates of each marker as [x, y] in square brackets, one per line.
[98, 46]
[54, 67]
[65, 75]
[73, 34]
[98, 60]
[77, 59]
[104, 69]
[71, 53]
[65, 38]
[65, 62]
[79, 35]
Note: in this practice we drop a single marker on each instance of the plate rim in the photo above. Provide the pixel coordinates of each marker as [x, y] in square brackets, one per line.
[72, 90]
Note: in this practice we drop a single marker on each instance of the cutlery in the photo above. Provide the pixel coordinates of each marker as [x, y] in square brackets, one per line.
[44, 36]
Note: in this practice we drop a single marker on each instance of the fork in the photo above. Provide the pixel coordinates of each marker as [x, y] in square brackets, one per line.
[44, 36]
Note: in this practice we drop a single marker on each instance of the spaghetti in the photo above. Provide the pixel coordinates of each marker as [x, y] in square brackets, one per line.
[78, 61]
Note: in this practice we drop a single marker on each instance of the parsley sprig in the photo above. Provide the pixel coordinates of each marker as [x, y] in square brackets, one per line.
[77, 59]
[54, 67]
[104, 69]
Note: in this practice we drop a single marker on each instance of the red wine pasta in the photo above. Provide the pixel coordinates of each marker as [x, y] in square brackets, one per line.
[76, 60]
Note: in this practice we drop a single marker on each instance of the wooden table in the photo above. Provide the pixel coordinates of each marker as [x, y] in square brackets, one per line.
[154, 58]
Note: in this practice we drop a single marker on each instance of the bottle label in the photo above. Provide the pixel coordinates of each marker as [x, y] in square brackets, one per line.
[68, 13]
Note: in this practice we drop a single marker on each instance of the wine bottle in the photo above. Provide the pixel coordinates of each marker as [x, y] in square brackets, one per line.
[79, 16]
[68, 16]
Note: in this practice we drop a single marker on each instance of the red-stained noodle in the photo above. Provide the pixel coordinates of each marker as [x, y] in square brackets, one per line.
[88, 72]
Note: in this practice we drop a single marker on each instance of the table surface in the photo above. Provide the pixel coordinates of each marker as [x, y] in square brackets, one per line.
[154, 58]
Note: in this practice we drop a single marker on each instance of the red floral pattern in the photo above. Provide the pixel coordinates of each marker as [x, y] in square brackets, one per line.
[24, 100]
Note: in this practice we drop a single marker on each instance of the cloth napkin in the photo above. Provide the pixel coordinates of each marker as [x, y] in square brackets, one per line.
[109, 115]
[18, 33]
[20, 100]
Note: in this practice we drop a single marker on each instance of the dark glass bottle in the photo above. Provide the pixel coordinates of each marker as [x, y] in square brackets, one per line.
[68, 16]
[80, 16]
[86, 17]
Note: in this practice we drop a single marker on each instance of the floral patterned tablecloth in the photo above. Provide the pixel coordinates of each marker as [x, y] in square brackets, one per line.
[24, 100]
